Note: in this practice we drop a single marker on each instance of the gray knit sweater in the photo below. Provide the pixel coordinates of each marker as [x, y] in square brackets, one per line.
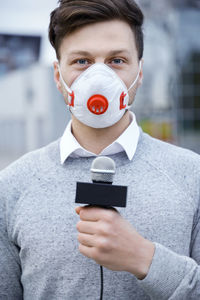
[39, 257]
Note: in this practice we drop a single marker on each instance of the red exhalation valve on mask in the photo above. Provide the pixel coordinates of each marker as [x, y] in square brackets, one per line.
[97, 104]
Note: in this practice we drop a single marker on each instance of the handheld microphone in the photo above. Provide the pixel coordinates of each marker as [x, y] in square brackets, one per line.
[102, 170]
[101, 192]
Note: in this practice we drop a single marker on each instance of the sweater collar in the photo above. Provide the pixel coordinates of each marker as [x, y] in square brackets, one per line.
[127, 141]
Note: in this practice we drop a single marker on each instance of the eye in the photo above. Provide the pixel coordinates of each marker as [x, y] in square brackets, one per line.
[82, 62]
[117, 61]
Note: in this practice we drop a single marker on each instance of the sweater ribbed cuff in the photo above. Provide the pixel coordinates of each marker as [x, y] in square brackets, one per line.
[165, 274]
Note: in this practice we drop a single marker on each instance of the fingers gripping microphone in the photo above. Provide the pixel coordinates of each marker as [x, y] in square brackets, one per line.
[101, 192]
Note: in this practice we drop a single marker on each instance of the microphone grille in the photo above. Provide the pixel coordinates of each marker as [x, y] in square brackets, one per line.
[103, 169]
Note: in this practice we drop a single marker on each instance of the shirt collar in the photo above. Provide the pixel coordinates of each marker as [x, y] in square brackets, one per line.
[127, 142]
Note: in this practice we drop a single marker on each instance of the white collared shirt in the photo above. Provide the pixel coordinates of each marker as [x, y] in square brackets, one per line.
[127, 141]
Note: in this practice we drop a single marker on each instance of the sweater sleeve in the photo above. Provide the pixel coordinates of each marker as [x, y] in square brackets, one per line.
[10, 270]
[172, 276]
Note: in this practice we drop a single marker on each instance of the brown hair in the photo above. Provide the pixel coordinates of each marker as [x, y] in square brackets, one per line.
[73, 14]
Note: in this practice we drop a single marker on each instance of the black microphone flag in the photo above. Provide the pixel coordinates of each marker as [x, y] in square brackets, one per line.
[101, 192]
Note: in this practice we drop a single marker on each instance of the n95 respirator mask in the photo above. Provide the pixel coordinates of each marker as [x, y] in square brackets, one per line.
[98, 97]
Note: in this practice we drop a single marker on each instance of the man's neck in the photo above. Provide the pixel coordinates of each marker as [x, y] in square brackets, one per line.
[97, 139]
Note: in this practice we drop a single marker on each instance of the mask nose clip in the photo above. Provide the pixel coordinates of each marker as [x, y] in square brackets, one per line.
[97, 104]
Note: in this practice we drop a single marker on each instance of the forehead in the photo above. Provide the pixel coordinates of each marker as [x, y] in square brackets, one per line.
[101, 38]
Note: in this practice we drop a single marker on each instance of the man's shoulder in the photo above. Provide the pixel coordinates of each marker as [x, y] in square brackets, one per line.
[179, 165]
[30, 163]
[166, 152]
[25, 174]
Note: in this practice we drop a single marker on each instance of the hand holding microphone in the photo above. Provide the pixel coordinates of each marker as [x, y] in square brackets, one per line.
[109, 239]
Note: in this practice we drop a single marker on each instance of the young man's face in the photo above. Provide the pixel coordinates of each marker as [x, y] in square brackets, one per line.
[111, 42]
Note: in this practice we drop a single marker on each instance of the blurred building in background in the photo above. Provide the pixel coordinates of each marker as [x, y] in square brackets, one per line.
[168, 105]
[33, 113]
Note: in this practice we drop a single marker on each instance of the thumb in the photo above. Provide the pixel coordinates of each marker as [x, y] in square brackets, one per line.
[78, 209]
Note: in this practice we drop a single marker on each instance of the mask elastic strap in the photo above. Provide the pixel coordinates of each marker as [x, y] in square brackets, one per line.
[134, 82]
[63, 82]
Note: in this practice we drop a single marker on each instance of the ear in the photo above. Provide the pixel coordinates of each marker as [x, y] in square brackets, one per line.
[140, 80]
[57, 76]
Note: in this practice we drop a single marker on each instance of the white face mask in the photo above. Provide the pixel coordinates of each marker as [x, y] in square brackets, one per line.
[98, 97]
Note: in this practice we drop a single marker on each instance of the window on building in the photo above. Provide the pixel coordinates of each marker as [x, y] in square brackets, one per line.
[189, 100]
[18, 51]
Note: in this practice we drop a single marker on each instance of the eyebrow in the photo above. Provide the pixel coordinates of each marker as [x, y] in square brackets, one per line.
[111, 53]
[114, 52]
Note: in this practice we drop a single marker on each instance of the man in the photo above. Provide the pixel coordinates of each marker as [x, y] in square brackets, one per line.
[150, 249]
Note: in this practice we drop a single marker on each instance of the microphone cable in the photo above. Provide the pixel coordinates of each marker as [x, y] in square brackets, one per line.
[101, 291]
